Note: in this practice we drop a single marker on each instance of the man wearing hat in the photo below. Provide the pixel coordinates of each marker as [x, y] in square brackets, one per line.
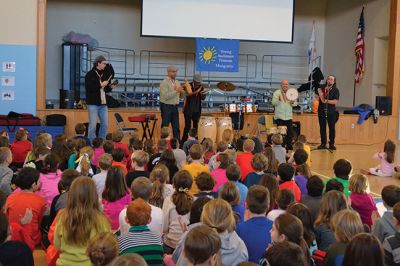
[97, 85]
[170, 89]
[192, 106]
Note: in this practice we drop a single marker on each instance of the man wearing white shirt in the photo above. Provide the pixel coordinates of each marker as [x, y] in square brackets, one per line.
[141, 188]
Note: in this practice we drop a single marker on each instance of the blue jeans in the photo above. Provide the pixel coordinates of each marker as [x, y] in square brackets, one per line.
[95, 111]
[170, 114]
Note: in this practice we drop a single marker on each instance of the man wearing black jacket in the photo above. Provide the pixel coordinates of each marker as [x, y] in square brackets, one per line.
[96, 86]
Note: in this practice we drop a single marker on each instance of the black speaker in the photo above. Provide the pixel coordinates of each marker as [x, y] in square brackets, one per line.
[236, 122]
[67, 99]
[384, 105]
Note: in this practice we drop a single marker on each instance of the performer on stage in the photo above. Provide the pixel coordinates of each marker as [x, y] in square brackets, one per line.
[283, 111]
[192, 106]
[96, 87]
[328, 98]
[170, 89]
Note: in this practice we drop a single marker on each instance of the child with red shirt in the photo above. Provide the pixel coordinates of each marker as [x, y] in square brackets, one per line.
[20, 202]
[286, 173]
[117, 137]
[243, 160]
[20, 148]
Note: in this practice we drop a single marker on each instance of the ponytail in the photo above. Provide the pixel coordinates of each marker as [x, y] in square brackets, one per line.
[157, 194]
[303, 245]
[182, 200]
[305, 170]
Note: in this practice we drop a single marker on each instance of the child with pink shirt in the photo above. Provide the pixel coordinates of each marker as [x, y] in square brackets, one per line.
[360, 200]
[49, 177]
[97, 150]
[219, 174]
[386, 168]
[115, 196]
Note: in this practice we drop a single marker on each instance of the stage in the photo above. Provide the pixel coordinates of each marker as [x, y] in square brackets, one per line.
[347, 129]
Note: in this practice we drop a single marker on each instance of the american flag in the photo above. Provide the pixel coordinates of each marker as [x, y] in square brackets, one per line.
[360, 49]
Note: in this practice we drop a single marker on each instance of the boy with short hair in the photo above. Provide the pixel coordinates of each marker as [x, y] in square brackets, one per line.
[155, 158]
[18, 203]
[255, 231]
[205, 182]
[233, 174]
[117, 137]
[243, 160]
[105, 163]
[180, 155]
[259, 164]
[140, 239]
[342, 169]
[284, 199]
[192, 139]
[384, 226]
[196, 166]
[80, 130]
[118, 155]
[6, 174]
[334, 184]
[280, 152]
[139, 160]
[108, 146]
[391, 244]
[286, 173]
[315, 188]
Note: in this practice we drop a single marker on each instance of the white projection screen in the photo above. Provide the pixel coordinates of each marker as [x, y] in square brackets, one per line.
[250, 20]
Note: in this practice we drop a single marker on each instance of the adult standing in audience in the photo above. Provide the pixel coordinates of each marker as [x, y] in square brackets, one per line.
[328, 98]
[284, 111]
[192, 106]
[97, 85]
[170, 89]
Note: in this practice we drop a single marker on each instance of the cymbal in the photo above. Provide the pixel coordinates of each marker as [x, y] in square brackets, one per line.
[226, 86]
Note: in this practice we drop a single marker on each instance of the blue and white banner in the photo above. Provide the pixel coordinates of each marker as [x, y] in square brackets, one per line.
[214, 55]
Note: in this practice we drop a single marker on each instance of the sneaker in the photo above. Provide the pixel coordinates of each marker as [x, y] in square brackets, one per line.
[332, 147]
[322, 147]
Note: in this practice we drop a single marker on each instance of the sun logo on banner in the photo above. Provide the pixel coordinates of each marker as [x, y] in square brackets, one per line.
[208, 55]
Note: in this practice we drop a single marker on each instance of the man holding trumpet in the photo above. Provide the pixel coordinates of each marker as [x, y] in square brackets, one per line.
[283, 111]
[170, 89]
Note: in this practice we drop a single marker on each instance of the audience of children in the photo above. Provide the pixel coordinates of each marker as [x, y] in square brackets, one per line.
[131, 202]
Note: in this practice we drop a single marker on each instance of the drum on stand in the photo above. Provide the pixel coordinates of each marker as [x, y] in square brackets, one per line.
[292, 94]
[207, 128]
[222, 124]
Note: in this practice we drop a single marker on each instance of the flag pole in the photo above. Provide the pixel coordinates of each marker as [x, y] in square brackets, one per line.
[354, 93]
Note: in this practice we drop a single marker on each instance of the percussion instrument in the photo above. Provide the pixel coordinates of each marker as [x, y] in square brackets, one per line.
[226, 86]
[187, 87]
[222, 124]
[240, 107]
[292, 94]
[282, 130]
[207, 128]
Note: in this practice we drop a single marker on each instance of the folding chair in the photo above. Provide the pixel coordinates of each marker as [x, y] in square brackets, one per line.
[121, 125]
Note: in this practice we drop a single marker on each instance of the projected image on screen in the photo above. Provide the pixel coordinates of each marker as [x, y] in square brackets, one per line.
[253, 20]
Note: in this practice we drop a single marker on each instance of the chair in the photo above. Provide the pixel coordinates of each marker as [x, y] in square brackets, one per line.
[121, 125]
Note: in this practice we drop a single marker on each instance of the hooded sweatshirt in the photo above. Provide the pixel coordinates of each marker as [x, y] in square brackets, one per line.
[384, 227]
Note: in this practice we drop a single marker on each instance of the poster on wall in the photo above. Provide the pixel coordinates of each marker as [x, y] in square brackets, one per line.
[8, 81]
[8, 66]
[7, 96]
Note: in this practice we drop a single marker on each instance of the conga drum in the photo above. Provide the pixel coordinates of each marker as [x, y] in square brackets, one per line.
[207, 128]
[222, 124]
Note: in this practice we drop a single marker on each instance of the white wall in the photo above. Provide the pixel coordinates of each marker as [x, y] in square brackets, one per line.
[117, 24]
[340, 35]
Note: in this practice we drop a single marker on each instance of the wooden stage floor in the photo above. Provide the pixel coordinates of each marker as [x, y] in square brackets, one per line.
[360, 157]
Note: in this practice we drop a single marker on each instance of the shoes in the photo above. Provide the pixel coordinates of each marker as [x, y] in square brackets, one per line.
[322, 147]
[332, 147]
